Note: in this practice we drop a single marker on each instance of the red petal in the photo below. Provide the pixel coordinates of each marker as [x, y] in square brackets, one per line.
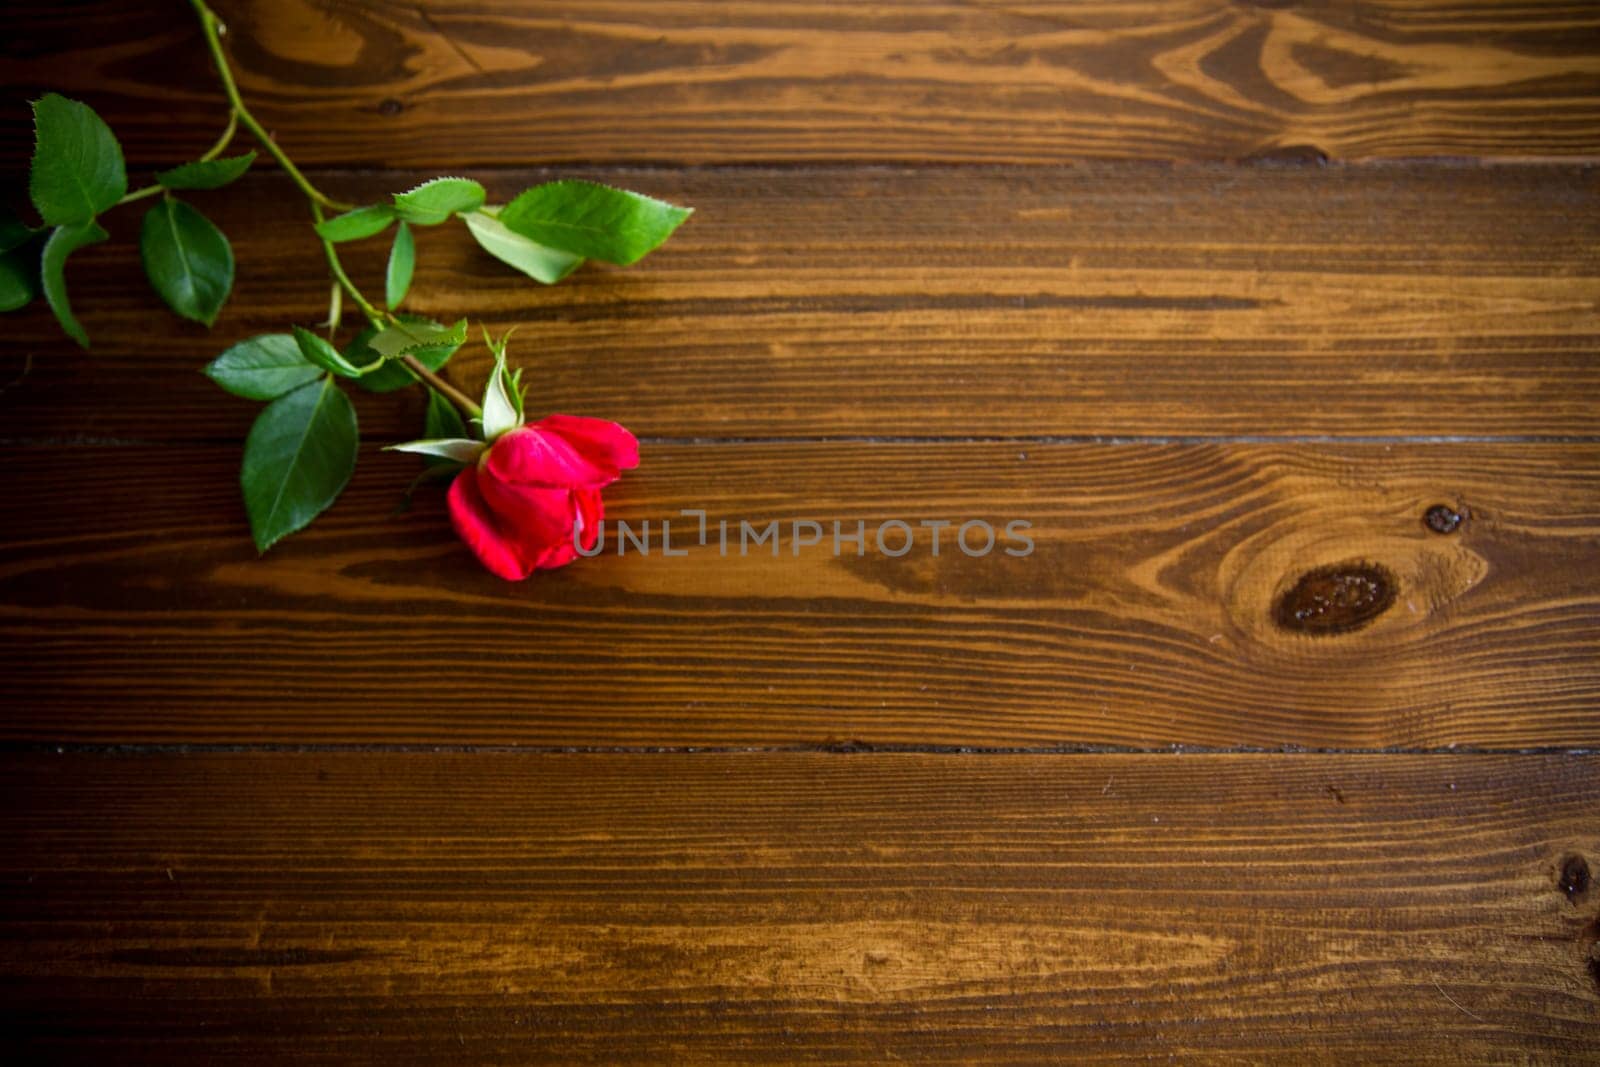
[479, 527]
[587, 513]
[530, 457]
[591, 510]
[604, 444]
[532, 514]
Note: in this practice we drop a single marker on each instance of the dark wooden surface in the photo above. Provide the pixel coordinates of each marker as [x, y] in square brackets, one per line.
[1124, 300]
[1031, 81]
[764, 907]
[1145, 616]
[1221, 297]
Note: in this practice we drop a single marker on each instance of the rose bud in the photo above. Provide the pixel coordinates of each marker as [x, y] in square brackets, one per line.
[533, 495]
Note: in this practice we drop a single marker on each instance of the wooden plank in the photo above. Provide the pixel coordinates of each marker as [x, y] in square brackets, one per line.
[426, 908]
[1151, 611]
[1119, 300]
[518, 82]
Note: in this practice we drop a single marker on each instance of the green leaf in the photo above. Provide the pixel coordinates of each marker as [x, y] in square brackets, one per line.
[187, 259]
[455, 449]
[64, 241]
[443, 419]
[19, 284]
[263, 367]
[593, 220]
[404, 337]
[402, 261]
[13, 231]
[394, 375]
[327, 357]
[298, 457]
[19, 270]
[548, 265]
[354, 225]
[206, 173]
[433, 202]
[77, 164]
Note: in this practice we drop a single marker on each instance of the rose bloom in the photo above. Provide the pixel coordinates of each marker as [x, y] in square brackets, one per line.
[534, 494]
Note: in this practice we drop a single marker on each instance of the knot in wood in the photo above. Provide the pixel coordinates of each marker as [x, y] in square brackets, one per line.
[1336, 599]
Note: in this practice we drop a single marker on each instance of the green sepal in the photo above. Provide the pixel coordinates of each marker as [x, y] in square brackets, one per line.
[513, 377]
[500, 412]
[455, 449]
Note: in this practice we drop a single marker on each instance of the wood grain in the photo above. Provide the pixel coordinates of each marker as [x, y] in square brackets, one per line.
[429, 908]
[473, 82]
[1116, 300]
[1308, 454]
[133, 608]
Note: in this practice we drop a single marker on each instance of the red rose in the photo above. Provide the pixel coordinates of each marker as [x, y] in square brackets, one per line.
[534, 493]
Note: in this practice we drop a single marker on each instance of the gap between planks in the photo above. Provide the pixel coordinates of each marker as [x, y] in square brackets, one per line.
[847, 748]
[933, 439]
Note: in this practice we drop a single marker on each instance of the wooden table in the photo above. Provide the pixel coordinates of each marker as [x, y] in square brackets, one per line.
[1216, 295]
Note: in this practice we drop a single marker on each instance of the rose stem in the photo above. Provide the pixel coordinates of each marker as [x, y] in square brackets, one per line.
[319, 200]
[213, 31]
[461, 400]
